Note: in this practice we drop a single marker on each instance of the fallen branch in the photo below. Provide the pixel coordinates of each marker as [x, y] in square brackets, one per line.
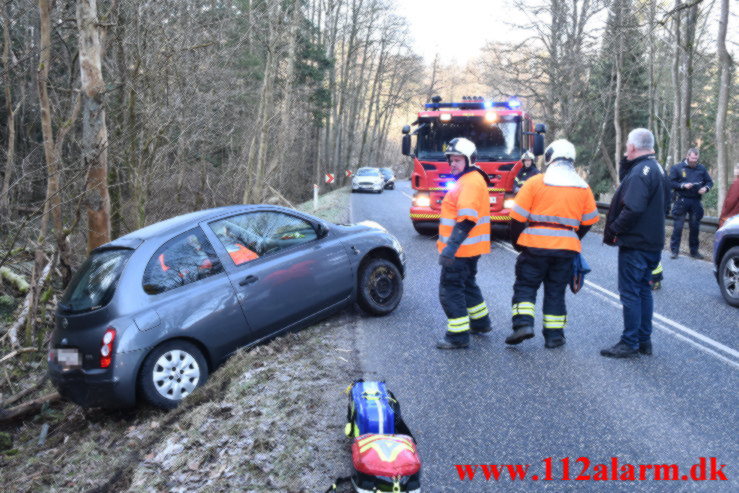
[14, 279]
[16, 352]
[27, 303]
[23, 393]
[28, 408]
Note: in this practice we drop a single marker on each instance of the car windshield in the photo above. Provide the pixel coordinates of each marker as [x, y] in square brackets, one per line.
[387, 172]
[368, 172]
[93, 285]
[496, 142]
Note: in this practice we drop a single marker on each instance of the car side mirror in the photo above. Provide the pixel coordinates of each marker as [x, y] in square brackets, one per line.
[538, 145]
[321, 230]
[406, 147]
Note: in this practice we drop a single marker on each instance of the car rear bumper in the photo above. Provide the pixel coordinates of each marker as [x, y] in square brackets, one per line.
[113, 387]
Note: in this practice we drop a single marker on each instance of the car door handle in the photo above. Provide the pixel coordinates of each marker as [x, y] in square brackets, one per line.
[248, 280]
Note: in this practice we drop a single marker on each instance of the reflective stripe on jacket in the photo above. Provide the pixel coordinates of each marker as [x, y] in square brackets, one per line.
[469, 200]
[554, 214]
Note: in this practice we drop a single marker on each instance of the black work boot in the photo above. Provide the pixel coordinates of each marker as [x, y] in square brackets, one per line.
[520, 334]
[446, 343]
[620, 350]
[553, 338]
[481, 328]
[645, 348]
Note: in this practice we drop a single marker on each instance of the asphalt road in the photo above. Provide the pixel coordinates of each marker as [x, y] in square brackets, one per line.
[501, 405]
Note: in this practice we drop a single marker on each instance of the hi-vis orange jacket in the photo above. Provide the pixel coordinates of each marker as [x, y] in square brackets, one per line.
[468, 200]
[554, 214]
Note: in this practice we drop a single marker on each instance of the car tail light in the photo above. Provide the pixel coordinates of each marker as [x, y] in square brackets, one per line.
[106, 348]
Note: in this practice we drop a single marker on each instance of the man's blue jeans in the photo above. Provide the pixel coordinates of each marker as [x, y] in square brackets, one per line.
[634, 273]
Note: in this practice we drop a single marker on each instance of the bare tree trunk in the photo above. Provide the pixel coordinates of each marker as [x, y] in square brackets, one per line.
[652, 83]
[675, 144]
[285, 135]
[617, 96]
[94, 128]
[10, 153]
[432, 84]
[691, 20]
[722, 137]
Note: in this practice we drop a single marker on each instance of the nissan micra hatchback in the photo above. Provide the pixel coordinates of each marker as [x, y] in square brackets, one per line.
[150, 314]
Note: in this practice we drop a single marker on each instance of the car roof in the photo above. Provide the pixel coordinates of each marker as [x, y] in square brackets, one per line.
[173, 225]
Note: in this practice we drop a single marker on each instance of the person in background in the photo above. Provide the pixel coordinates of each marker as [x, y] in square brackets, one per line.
[528, 170]
[691, 181]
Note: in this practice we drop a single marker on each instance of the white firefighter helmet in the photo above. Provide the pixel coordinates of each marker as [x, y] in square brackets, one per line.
[560, 149]
[528, 155]
[462, 147]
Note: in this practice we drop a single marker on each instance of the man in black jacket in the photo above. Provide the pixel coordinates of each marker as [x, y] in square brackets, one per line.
[691, 181]
[636, 224]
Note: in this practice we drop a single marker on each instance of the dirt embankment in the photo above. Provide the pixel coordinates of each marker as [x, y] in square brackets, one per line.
[270, 419]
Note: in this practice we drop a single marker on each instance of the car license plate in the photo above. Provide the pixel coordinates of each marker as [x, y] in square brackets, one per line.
[493, 200]
[68, 358]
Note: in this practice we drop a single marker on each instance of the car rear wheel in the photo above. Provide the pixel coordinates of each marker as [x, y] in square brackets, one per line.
[380, 287]
[728, 276]
[171, 372]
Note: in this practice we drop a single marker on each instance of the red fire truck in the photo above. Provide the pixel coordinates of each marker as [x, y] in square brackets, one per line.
[502, 131]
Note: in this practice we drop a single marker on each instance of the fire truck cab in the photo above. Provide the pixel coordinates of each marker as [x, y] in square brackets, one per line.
[502, 132]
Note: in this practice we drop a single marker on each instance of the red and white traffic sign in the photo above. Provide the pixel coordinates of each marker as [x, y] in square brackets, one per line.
[329, 178]
[348, 173]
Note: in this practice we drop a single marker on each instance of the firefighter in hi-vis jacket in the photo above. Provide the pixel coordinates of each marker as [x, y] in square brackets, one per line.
[464, 235]
[552, 213]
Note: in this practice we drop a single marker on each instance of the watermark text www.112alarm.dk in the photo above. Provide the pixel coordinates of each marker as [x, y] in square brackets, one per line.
[582, 469]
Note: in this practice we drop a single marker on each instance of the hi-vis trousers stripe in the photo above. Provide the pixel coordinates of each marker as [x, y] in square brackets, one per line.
[478, 311]
[658, 269]
[523, 308]
[456, 325]
[555, 321]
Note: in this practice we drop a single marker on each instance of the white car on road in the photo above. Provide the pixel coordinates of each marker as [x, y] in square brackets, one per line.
[368, 179]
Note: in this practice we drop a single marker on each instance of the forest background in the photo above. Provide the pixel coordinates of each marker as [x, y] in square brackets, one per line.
[115, 114]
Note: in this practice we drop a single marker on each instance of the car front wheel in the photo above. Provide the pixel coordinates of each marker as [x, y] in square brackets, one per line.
[171, 372]
[728, 276]
[380, 287]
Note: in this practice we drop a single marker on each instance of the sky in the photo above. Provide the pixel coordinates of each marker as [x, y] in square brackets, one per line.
[458, 29]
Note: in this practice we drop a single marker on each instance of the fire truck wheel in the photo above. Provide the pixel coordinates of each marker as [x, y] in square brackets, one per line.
[380, 287]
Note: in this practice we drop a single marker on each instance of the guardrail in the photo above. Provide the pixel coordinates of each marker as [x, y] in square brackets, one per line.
[709, 224]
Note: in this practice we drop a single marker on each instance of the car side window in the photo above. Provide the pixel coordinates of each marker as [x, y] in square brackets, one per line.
[250, 236]
[184, 259]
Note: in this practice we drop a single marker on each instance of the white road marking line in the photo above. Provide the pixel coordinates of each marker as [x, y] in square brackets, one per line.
[670, 331]
[406, 195]
[674, 324]
[666, 324]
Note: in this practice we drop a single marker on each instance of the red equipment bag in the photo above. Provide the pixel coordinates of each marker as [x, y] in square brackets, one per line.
[386, 463]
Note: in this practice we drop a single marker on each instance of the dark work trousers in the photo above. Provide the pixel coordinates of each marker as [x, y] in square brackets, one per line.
[634, 273]
[458, 292]
[531, 271]
[694, 210]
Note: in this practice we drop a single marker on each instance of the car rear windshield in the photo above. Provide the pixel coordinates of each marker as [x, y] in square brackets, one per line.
[93, 285]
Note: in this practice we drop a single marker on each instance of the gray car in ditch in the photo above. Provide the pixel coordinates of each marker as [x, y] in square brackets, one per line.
[151, 314]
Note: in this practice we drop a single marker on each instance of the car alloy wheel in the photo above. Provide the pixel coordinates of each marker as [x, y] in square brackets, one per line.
[729, 276]
[176, 374]
[170, 372]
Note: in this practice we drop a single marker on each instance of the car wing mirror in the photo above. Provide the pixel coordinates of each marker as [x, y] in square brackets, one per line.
[321, 230]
